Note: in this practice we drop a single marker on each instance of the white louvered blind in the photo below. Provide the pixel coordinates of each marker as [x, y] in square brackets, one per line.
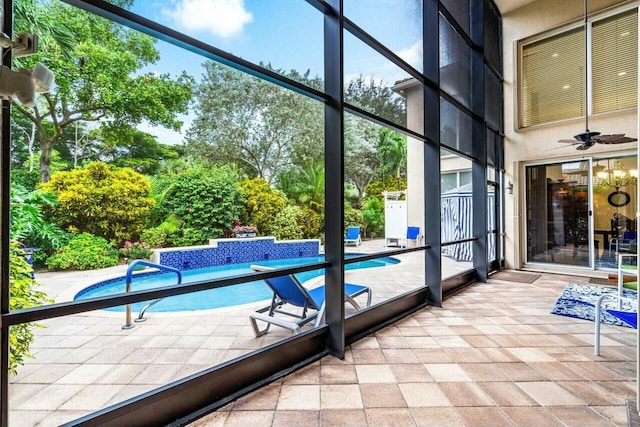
[614, 50]
[553, 74]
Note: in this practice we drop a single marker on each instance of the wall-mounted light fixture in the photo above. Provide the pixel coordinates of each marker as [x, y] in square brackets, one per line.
[509, 187]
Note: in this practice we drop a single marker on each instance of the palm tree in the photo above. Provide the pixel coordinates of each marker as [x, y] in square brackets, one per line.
[32, 16]
[392, 150]
[311, 186]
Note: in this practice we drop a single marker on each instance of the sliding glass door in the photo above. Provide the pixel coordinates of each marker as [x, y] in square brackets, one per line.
[581, 213]
[558, 213]
[615, 204]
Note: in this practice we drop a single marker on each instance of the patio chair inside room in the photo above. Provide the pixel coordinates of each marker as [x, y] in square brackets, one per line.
[627, 243]
[353, 236]
[309, 304]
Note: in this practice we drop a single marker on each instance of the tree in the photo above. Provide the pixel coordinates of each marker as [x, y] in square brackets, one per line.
[361, 160]
[98, 77]
[376, 97]
[257, 125]
[392, 150]
[102, 200]
[140, 151]
[363, 139]
[305, 185]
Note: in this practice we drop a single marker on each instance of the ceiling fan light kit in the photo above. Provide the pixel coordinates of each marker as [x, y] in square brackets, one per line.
[588, 139]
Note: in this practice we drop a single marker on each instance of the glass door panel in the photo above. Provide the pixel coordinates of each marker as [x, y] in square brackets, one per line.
[558, 213]
[615, 204]
[492, 225]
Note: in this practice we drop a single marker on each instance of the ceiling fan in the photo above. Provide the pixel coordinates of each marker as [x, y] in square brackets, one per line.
[588, 139]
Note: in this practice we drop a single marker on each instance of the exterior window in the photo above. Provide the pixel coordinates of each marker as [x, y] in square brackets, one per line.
[553, 79]
[465, 177]
[615, 63]
[553, 73]
[448, 181]
[452, 180]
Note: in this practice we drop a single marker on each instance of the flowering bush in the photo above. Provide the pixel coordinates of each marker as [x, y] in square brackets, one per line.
[135, 250]
[244, 229]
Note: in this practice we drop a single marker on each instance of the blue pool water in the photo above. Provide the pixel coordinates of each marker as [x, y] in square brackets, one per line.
[213, 298]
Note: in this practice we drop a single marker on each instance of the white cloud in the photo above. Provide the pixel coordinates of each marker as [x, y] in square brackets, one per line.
[413, 54]
[223, 18]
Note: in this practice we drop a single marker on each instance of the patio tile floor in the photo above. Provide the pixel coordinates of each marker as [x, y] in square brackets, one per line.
[492, 356]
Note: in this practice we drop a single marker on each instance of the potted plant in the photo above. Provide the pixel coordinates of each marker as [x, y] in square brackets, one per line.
[132, 251]
[245, 231]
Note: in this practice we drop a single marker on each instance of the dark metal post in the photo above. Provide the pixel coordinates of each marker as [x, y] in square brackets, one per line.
[431, 156]
[7, 25]
[334, 177]
[479, 146]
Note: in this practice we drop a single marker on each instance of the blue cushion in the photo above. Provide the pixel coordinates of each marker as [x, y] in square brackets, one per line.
[626, 316]
[353, 233]
[317, 294]
[413, 232]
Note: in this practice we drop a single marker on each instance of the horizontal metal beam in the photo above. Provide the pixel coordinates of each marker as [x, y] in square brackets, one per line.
[456, 242]
[385, 52]
[74, 307]
[364, 114]
[377, 255]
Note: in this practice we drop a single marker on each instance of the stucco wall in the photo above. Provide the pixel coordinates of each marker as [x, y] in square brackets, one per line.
[415, 154]
[539, 143]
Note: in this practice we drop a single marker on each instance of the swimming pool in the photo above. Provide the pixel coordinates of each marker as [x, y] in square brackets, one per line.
[212, 298]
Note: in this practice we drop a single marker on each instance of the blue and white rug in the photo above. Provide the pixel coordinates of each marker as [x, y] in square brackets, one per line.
[579, 301]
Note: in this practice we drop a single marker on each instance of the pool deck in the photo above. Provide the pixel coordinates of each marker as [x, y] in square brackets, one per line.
[493, 355]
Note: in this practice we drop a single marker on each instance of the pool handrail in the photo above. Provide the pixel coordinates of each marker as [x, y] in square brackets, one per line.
[129, 278]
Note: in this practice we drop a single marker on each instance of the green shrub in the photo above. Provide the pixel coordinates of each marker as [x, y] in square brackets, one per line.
[101, 200]
[352, 217]
[21, 295]
[261, 204]
[29, 226]
[311, 223]
[84, 252]
[351, 195]
[285, 224]
[373, 215]
[156, 237]
[188, 237]
[205, 200]
[388, 183]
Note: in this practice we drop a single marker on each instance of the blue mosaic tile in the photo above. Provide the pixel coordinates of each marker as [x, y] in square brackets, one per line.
[238, 251]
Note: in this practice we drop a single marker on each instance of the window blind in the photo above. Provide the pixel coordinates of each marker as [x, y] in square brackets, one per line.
[553, 73]
[614, 74]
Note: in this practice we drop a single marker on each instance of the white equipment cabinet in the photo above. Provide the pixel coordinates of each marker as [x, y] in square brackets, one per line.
[395, 217]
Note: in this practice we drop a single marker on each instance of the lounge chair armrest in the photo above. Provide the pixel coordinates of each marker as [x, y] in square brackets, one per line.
[261, 268]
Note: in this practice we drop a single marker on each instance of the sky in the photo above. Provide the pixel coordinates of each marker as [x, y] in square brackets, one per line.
[286, 33]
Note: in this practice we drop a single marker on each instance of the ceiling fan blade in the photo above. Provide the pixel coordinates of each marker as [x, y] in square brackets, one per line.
[618, 138]
[569, 141]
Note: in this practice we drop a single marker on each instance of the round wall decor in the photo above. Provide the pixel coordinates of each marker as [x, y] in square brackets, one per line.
[619, 198]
